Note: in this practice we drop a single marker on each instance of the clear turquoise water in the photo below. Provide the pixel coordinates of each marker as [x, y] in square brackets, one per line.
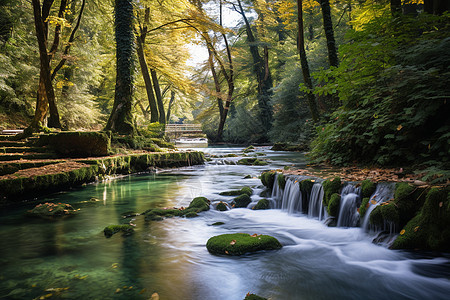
[170, 258]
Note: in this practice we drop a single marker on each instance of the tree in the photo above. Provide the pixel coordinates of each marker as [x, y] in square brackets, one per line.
[329, 33]
[304, 63]
[121, 119]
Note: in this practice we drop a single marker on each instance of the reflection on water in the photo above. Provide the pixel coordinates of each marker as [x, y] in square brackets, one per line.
[170, 258]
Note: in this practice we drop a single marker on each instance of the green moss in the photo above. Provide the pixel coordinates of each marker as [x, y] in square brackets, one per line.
[253, 297]
[199, 204]
[306, 186]
[363, 207]
[281, 180]
[376, 217]
[245, 190]
[241, 243]
[262, 204]
[79, 143]
[242, 201]
[251, 161]
[191, 214]
[153, 217]
[331, 187]
[389, 213]
[333, 205]
[221, 206]
[403, 191]
[367, 188]
[110, 230]
[268, 178]
[52, 210]
[231, 155]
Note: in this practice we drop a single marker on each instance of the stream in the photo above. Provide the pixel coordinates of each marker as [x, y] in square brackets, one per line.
[72, 259]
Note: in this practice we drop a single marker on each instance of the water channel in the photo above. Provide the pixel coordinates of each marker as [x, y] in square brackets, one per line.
[72, 259]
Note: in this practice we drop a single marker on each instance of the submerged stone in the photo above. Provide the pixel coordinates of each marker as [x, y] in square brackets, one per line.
[52, 210]
[245, 190]
[241, 243]
[252, 161]
[110, 230]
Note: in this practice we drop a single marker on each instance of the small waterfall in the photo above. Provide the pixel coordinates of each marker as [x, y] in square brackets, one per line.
[348, 209]
[292, 197]
[277, 192]
[383, 192]
[316, 208]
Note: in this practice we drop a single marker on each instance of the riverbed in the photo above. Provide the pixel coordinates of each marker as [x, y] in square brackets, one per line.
[72, 259]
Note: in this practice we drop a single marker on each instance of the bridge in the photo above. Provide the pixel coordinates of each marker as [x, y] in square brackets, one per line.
[175, 131]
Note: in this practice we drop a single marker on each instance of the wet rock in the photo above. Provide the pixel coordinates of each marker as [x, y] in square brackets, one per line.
[242, 201]
[262, 204]
[110, 230]
[241, 243]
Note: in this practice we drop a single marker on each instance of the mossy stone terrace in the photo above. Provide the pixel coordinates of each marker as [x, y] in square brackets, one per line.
[241, 243]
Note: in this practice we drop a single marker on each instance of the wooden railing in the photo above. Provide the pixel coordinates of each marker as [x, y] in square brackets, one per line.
[183, 128]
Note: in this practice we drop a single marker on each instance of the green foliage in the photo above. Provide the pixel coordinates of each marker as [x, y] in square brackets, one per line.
[394, 109]
[262, 204]
[330, 187]
[333, 205]
[241, 243]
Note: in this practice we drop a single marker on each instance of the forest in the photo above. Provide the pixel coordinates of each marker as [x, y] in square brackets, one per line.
[353, 82]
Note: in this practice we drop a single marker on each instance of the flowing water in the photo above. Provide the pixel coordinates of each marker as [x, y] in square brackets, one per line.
[38, 258]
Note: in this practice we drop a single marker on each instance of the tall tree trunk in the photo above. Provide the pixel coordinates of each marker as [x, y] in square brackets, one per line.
[263, 77]
[216, 85]
[154, 116]
[121, 118]
[304, 63]
[169, 108]
[159, 100]
[329, 33]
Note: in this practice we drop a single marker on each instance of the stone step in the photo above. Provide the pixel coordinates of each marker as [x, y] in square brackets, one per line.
[7, 168]
[24, 149]
[26, 156]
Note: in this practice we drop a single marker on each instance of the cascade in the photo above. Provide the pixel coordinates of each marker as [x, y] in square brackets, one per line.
[292, 197]
[383, 192]
[277, 192]
[348, 210]
[316, 208]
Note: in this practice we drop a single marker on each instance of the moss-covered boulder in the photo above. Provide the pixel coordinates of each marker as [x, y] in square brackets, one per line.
[252, 161]
[306, 186]
[241, 243]
[262, 204]
[242, 201]
[221, 206]
[249, 149]
[367, 188]
[52, 210]
[199, 204]
[430, 228]
[268, 178]
[330, 187]
[281, 180]
[78, 143]
[333, 205]
[253, 297]
[363, 207]
[245, 190]
[110, 230]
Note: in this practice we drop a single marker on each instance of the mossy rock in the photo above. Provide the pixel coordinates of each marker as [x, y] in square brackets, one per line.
[252, 161]
[254, 297]
[241, 243]
[217, 223]
[199, 204]
[268, 178]
[262, 204]
[247, 176]
[231, 155]
[191, 214]
[162, 143]
[333, 205]
[330, 187]
[242, 201]
[367, 188]
[306, 186]
[79, 144]
[363, 207]
[110, 230]
[281, 180]
[249, 149]
[245, 190]
[221, 206]
[430, 228]
[52, 210]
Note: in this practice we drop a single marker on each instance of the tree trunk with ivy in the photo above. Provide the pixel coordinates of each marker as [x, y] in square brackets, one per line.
[159, 100]
[121, 118]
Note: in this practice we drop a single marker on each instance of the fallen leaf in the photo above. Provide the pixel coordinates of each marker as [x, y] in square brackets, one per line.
[402, 232]
[373, 202]
[142, 291]
[441, 203]
[416, 228]
[118, 291]
[399, 127]
[155, 296]
[233, 242]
